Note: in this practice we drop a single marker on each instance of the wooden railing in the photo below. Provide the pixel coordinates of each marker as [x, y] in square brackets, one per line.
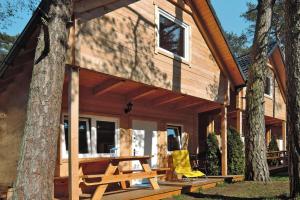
[277, 158]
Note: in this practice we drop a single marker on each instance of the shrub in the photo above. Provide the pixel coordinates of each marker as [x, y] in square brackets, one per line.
[235, 153]
[273, 146]
[213, 155]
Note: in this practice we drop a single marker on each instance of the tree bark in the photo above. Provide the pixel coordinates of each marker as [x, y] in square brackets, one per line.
[255, 148]
[39, 144]
[292, 52]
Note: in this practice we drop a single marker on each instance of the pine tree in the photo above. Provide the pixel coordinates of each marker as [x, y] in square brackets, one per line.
[292, 54]
[37, 160]
[255, 148]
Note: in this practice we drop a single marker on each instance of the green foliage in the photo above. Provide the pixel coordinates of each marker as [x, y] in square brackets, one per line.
[213, 155]
[277, 24]
[236, 155]
[13, 9]
[273, 146]
[6, 42]
[237, 43]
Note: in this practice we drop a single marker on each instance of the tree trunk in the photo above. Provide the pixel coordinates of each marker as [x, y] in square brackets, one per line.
[292, 52]
[39, 144]
[255, 147]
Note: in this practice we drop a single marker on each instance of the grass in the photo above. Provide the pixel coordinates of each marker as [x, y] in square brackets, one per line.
[277, 188]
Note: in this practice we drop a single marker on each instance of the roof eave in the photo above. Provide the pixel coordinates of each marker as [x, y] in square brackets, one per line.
[18, 44]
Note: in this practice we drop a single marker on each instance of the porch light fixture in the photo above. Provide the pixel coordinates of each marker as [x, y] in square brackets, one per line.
[128, 108]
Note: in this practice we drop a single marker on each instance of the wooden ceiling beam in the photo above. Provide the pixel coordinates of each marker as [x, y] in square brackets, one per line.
[107, 86]
[188, 105]
[140, 93]
[209, 107]
[166, 99]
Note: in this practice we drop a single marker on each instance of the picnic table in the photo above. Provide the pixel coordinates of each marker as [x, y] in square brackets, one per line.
[114, 174]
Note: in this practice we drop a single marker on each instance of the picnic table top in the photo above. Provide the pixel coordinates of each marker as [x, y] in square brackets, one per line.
[116, 158]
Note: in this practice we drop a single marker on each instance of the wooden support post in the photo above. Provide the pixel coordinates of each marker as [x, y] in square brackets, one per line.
[239, 121]
[73, 116]
[224, 139]
[211, 125]
[283, 132]
[268, 136]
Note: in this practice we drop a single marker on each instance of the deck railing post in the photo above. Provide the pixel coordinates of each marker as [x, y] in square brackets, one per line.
[283, 132]
[73, 117]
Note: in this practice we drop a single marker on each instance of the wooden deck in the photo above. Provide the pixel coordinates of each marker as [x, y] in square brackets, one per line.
[276, 169]
[137, 193]
[229, 178]
[167, 188]
[195, 185]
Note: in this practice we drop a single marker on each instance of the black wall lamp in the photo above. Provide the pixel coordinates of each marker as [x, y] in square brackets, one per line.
[128, 108]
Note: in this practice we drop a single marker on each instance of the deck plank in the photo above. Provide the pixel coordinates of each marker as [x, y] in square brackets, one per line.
[192, 186]
[143, 193]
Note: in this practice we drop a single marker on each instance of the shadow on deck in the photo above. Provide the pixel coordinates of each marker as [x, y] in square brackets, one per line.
[167, 189]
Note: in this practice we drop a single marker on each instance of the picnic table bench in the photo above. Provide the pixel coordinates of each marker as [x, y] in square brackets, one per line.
[278, 156]
[114, 174]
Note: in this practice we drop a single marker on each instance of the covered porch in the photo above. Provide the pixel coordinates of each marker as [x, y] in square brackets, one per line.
[102, 112]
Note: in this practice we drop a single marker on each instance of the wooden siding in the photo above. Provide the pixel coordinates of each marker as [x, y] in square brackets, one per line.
[13, 102]
[273, 109]
[120, 41]
[277, 108]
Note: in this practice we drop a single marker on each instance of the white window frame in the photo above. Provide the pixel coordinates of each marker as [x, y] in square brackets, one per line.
[92, 136]
[180, 138]
[64, 152]
[271, 88]
[187, 35]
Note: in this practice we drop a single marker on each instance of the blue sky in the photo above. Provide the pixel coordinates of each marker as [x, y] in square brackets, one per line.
[228, 12]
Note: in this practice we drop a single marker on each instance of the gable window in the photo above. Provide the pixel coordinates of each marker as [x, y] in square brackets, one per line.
[268, 86]
[174, 134]
[173, 35]
[96, 136]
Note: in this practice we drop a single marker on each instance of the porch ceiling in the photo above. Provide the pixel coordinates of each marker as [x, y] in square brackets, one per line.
[101, 85]
[268, 120]
[273, 121]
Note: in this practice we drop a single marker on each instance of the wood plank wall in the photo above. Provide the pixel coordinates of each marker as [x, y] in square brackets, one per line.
[122, 42]
[13, 103]
[280, 107]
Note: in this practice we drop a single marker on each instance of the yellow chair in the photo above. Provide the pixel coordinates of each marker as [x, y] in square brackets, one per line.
[182, 165]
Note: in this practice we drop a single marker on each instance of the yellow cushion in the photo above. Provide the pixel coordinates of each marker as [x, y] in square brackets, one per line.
[181, 162]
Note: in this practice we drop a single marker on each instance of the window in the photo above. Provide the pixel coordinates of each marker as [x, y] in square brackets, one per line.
[173, 35]
[268, 86]
[174, 137]
[83, 136]
[96, 135]
[105, 136]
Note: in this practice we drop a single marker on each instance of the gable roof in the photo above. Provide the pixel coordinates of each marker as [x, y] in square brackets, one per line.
[276, 59]
[204, 16]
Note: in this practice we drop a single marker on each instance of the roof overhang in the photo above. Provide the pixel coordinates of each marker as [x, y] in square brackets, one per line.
[213, 34]
[277, 61]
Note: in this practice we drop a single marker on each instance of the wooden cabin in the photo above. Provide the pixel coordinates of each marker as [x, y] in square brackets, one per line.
[274, 101]
[145, 77]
